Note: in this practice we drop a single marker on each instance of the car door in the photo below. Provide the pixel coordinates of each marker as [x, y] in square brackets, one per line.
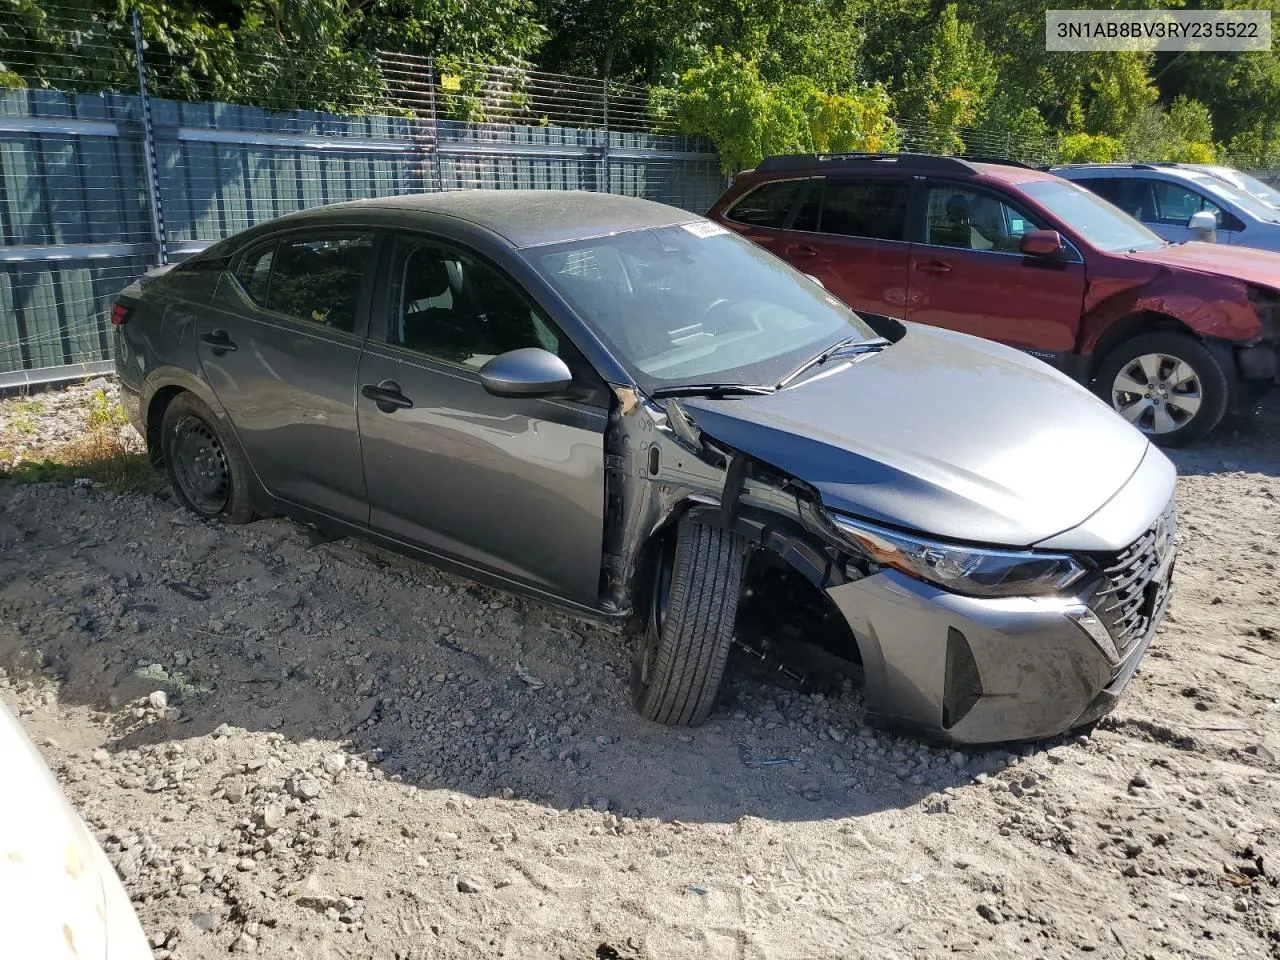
[280, 348]
[969, 274]
[511, 486]
[858, 247]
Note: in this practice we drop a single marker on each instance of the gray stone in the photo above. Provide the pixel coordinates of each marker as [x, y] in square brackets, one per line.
[157, 700]
[467, 886]
[306, 788]
[366, 711]
[333, 763]
[205, 922]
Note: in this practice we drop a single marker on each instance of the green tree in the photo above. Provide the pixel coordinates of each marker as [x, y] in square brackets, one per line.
[955, 79]
[727, 100]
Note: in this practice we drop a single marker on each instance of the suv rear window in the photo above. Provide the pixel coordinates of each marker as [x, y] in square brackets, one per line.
[876, 209]
[768, 204]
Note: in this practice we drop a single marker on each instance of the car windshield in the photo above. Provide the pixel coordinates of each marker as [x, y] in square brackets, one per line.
[1252, 186]
[1106, 227]
[696, 304]
[1214, 186]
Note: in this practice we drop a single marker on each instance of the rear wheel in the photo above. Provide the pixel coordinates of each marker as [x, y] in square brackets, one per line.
[689, 628]
[1168, 385]
[208, 475]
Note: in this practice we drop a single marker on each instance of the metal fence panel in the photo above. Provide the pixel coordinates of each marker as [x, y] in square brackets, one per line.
[79, 219]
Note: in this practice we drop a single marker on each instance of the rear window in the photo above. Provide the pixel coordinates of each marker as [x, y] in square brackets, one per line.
[768, 204]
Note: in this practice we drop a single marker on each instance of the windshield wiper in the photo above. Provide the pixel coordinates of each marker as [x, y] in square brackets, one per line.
[847, 345]
[712, 390]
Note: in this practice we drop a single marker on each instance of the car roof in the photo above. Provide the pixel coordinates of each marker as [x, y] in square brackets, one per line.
[1180, 172]
[522, 217]
[913, 164]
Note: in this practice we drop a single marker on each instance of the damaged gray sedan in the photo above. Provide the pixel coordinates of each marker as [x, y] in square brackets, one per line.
[621, 408]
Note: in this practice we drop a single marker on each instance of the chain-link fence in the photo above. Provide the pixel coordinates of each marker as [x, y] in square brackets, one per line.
[100, 178]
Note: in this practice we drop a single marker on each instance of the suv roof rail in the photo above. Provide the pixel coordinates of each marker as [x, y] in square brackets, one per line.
[863, 161]
[999, 161]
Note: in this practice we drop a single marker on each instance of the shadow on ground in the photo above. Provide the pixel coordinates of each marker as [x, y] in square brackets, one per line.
[442, 682]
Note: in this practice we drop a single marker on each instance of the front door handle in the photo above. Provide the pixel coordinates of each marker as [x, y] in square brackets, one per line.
[219, 341]
[933, 266]
[386, 396]
[801, 250]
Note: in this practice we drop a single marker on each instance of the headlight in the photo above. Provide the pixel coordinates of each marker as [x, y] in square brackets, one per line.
[972, 570]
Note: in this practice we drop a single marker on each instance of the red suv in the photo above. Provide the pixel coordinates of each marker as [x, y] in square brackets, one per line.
[1172, 335]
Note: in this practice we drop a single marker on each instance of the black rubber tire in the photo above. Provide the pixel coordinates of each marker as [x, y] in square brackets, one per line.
[1215, 388]
[238, 506]
[677, 670]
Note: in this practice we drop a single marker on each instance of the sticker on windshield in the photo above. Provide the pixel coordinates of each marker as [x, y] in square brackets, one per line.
[704, 228]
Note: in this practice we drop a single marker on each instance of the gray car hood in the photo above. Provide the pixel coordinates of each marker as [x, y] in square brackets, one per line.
[942, 433]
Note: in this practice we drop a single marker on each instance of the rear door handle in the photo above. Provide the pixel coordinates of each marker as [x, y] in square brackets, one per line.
[933, 266]
[219, 341]
[386, 396]
[801, 250]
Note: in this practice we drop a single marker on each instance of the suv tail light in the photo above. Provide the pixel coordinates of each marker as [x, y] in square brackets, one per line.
[119, 314]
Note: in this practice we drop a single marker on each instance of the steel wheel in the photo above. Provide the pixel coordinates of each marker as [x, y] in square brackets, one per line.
[200, 466]
[1157, 393]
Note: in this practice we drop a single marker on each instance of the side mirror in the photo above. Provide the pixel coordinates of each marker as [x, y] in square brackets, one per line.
[1041, 243]
[1203, 226]
[527, 372]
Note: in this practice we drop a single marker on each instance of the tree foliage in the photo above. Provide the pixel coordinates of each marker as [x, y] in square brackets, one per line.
[727, 99]
[754, 75]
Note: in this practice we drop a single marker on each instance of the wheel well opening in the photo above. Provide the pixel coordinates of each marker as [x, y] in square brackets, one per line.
[155, 420]
[789, 631]
[1126, 328]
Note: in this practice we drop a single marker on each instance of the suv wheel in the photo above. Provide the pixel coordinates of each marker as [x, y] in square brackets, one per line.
[1168, 385]
[208, 475]
[689, 628]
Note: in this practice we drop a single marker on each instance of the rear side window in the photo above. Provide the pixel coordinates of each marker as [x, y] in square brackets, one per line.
[768, 204]
[876, 209]
[255, 272]
[317, 280]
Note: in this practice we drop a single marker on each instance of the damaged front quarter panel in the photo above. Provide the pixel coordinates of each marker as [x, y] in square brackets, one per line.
[660, 466]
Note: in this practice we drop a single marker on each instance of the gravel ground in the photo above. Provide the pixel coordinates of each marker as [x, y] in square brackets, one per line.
[301, 748]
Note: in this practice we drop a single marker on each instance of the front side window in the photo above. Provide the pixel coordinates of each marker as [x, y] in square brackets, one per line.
[768, 204]
[453, 307]
[974, 220]
[695, 304]
[310, 279]
[1175, 203]
[875, 209]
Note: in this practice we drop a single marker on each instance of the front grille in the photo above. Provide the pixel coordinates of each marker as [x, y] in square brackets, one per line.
[1137, 584]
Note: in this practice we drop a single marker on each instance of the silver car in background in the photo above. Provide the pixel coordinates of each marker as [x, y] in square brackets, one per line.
[1166, 198]
[629, 411]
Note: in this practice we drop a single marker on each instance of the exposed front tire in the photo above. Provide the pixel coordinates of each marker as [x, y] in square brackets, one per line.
[689, 628]
[1168, 385]
[208, 474]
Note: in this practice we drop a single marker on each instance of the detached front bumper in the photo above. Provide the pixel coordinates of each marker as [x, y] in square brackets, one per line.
[969, 670]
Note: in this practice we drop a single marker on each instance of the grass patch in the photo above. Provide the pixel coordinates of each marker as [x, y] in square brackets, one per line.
[101, 453]
[25, 416]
